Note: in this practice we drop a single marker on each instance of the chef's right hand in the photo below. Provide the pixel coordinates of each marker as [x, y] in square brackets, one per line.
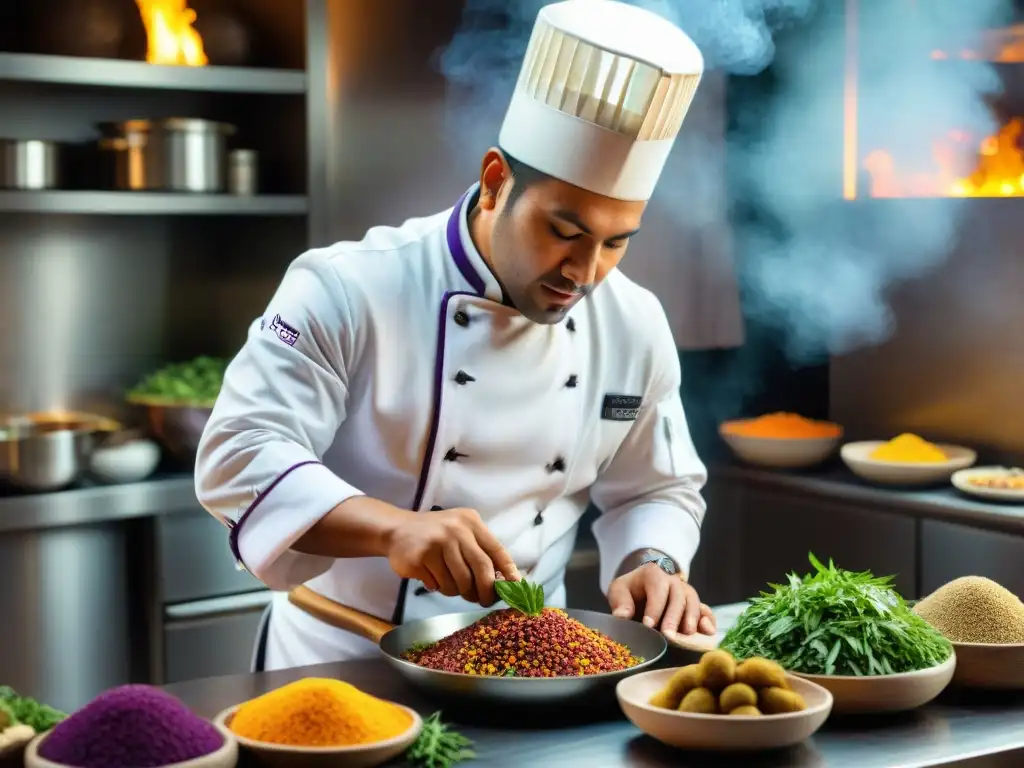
[451, 551]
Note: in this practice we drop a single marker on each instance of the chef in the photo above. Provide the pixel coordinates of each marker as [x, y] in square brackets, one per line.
[437, 403]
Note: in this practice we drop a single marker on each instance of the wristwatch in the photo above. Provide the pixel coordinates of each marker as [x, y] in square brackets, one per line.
[666, 563]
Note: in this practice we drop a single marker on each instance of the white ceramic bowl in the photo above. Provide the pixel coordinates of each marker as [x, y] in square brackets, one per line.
[720, 733]
[225, 757]
[359, 756]
[873, 694]
[779, 452]
[127, 463]
[856, 457]
[989, 665]
[962, 481]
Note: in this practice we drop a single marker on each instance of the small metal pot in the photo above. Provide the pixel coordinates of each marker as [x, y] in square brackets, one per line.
[28, 164]
[170, 155]
[46, 452]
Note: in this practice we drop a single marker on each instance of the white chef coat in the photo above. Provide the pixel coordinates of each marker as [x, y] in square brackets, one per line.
[390, 367]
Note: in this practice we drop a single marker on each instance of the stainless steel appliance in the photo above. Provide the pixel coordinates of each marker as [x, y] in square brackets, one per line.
[170, 155]
[28, 164]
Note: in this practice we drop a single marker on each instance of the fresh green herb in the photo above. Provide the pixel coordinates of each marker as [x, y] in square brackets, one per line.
[836, 622]
[510, 672]
[195, 383]
[521, 595]
[418, 647]
[7, 717]
[28, 711]
[438, 746]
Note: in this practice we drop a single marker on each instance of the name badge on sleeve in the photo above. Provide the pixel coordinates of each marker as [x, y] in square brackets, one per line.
[284, 332]
[621, 407]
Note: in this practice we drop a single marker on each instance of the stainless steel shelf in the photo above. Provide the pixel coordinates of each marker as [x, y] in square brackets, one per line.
[150, 203]
[97, 504]
[113, 73]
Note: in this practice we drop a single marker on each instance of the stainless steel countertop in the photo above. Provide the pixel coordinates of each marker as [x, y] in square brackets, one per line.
[98, 504]
[175, 493]
[945, 503]
[976, 731]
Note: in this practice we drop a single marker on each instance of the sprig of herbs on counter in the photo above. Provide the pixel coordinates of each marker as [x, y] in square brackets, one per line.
[26, 711]
[438, 746]
[836, 622]
[194, 383]
[521, 595]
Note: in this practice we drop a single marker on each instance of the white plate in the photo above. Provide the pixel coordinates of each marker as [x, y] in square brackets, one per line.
[856, 457]
[962, 482]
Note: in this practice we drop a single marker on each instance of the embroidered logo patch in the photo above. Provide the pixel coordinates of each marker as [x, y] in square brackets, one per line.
[621, 407]
[284, 332]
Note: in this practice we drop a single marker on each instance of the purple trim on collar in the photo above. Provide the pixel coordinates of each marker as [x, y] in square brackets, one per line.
[453, 233]
[237, 527]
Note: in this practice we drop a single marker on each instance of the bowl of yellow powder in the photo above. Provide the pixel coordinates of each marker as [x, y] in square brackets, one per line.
[321, 722]
[985, 623]
[781, 440]
[906, 460]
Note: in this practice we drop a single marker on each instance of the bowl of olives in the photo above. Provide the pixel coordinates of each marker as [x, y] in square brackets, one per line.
[719, 704]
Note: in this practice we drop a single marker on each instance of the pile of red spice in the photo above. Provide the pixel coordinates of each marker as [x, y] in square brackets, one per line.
[512, 644]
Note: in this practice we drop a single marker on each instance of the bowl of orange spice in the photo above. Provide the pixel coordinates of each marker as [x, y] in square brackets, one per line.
[907, 459]
[781, 440]
[316, 722]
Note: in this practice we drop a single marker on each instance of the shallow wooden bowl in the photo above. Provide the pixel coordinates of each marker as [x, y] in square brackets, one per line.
[874, 694]
[360, 756]
[989, 665]
[225, 757]
[721, 733]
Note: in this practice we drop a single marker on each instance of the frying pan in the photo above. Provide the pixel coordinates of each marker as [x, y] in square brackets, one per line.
[646, 643]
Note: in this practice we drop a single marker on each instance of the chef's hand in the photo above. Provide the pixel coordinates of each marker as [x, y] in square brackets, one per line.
[668, 602]
[451, 551]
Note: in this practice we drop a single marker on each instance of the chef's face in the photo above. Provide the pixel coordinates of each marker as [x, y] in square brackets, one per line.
[550, 243]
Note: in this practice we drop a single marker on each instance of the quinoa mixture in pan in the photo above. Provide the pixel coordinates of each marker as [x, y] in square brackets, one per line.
[513, 644]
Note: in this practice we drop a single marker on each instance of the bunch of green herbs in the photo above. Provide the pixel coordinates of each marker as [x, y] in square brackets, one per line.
[15, 709]
[194, 383]
[836, 622]
[438, 746]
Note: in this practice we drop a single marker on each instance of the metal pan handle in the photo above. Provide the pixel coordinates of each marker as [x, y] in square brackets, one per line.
[338, 615]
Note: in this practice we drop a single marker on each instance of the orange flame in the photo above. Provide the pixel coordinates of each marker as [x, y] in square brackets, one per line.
[999, 171]
[169, 33]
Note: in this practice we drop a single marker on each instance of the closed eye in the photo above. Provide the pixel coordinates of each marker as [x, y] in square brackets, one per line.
[562, 236]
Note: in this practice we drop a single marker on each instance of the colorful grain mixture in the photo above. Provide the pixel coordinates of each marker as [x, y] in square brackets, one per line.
[512, 644]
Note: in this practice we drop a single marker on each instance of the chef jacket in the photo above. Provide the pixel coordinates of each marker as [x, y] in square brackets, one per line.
[390, 367]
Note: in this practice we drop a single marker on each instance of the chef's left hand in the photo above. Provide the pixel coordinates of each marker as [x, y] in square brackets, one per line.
[668, 602]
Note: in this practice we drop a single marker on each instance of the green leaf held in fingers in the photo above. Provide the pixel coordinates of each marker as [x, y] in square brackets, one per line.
[522, 595]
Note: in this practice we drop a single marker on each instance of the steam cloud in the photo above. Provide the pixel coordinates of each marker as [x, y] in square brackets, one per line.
[816, 268]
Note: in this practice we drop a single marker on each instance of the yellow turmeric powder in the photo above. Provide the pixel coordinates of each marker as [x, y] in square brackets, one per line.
[782, 426]
[318, 712]
[909, 449]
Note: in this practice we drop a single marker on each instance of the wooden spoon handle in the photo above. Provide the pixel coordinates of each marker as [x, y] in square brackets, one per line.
[338, 615]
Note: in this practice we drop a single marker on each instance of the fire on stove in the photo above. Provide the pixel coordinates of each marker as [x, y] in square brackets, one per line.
[953, 163]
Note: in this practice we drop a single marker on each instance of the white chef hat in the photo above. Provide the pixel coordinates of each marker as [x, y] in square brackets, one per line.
[601, 96]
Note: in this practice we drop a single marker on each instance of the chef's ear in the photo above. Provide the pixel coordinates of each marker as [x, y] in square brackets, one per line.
[494, 173]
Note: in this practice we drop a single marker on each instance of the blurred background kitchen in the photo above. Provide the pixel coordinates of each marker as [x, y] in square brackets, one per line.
[837, 237]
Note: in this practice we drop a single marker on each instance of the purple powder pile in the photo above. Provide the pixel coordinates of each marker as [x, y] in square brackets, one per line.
[134, 726]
